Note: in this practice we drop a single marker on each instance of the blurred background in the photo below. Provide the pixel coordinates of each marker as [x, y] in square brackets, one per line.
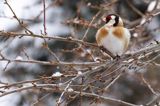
[71, 18]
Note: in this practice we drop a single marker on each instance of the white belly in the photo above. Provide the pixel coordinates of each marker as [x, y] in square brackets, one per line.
[114, 44]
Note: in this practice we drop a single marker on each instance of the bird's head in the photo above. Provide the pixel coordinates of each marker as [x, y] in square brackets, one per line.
[113, 20]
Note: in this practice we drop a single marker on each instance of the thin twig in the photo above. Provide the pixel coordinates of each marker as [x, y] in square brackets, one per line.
[94, 17]
[148, 85]
[51, 37]
[106, 98]
[112, 82]
[134, 8]
[15, 16]
[6, 66]
[53, 62]
[40, 99]
[153, 101]
[38, 86]
[44, 17]
[52, 53]
[65, 90]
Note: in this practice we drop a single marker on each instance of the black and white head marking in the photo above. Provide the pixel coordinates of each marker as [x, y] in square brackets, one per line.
[112, 19]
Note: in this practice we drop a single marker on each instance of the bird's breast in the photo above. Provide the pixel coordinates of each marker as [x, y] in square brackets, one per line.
[113, 39]
[101, 34]
[118, 32]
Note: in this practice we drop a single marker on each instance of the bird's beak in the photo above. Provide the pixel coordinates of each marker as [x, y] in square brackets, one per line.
[103, 19]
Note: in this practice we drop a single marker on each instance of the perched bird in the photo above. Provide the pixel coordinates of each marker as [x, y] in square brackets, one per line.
[113, 38]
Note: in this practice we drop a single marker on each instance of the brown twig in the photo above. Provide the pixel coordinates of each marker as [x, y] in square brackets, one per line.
[15, 16]
[44, 18]
[94, 17]
[51, 37]
[38, 86]
[148, 85]
[106, 98]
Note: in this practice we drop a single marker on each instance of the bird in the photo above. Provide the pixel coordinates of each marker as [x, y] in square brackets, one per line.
[113, 38]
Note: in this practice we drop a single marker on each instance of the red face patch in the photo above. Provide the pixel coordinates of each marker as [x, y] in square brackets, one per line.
[108, 18]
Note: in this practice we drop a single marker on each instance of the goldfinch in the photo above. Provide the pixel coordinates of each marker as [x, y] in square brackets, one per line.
[113, 38]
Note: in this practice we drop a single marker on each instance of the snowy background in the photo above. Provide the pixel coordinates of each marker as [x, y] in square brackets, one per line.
[15, 48]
